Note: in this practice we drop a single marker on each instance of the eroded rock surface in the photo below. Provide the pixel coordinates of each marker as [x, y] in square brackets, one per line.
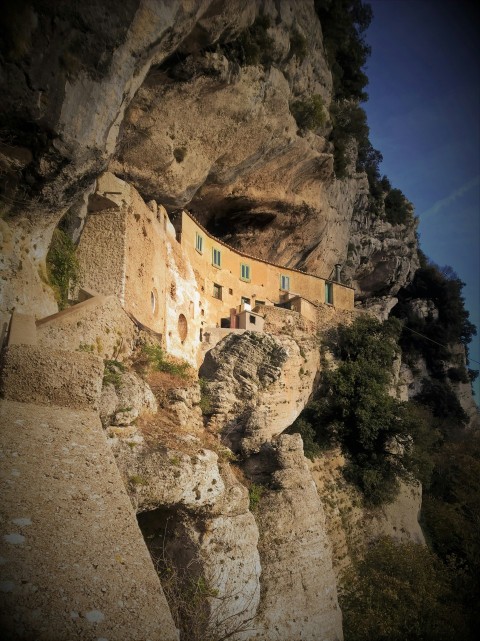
[299, 597]
[258, 384]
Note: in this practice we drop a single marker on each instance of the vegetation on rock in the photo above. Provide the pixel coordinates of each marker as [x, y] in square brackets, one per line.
[62, 266]
[400, 592]
[309, 113]
[155, 357]
[381, 437]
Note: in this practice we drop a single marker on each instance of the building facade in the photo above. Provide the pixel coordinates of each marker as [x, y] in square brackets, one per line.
[181, 282]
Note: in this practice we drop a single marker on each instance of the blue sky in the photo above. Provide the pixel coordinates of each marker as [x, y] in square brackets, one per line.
[424, 116]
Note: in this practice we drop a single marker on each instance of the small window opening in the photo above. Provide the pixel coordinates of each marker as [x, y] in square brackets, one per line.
[198, 242]
[252, 319]
[285, 283]
[217, 291]
[245, 272]
[216, 257]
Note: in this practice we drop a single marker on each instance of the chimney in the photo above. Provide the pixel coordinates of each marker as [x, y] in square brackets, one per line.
[338, 269]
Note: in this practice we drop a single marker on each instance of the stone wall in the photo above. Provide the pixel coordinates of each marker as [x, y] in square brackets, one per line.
[98, 325]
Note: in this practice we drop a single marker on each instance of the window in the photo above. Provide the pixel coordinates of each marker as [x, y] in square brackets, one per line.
[216, 258]
[260, 302]
[245, 300]
[217, 291]
[329, 293]
[198, 242]
[252, 319]
[244, 271]
[285, 283]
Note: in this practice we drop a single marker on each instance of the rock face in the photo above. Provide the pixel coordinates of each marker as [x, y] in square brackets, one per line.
[122, 403]
[188, 126]
[66, 572]
[258, 386]
[195, 517]
[299, 599]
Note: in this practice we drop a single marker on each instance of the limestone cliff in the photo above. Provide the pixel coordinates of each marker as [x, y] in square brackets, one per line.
[192, 103]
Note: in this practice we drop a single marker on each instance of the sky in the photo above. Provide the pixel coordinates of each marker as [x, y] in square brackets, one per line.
[424, 117]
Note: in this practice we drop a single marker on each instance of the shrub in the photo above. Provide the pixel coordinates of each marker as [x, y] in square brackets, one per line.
[254, 46]
[458, 375]
[343, 24]
[399, 592]
[378, 434]
[298, 45]
[310, 113]
[62, 266]
[311, 447]
[255, 494]
[398, 210]
[112, 373]
[159, 362]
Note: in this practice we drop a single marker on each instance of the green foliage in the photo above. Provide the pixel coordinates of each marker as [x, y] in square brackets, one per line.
[62, 266]
[311, 447]
[255, 494]
[343, 24]
[398, 210]
[205, 397]
[382, 438]
[112, 373]
[159, 362]
[310, 113]
[349, 123]
[254, 46]
[298, 45]
[444, 289]
[400, 592]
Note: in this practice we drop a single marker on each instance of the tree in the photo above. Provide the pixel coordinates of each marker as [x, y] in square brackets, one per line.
[344, 23]
[354, 409]
[400, 592]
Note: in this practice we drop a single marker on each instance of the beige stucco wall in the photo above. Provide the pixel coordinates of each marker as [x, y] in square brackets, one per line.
[264, 282]
[145, 263]
[183, 298]
[343, 297]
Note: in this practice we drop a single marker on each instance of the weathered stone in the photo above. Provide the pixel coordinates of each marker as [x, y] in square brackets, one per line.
[32, 374]
[299, 597]
[123, 403]
[258, 384]
[73, 557]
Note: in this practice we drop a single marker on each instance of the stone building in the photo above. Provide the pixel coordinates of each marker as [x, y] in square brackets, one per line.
[180, 282]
